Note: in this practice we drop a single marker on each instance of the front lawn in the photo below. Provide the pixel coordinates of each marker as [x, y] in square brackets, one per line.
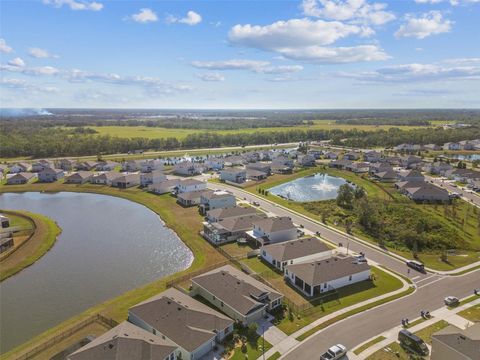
[472, 313]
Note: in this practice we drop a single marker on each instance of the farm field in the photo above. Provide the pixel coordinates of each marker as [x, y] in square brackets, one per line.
[158, 132]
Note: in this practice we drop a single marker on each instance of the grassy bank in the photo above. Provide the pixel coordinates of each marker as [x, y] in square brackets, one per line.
[184, 221]
[45, 233]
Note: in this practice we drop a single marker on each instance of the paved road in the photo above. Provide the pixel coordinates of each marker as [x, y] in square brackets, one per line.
[359, 328]
[468, 196]
[333, 236]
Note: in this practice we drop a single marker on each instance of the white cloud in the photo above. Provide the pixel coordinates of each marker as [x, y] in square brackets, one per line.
[452, 2]
[359, 11]
[145, 15]
[4, 48]
[214, 76]
[192, 18]
[75, 4]
[305, 39]
[431, 23]
[23, 85]
[463, 61]
[256, 66]
[417, 73]
[18, 62]
[33, 71]
[40, 53]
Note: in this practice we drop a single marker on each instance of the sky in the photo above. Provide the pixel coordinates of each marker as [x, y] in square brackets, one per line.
[310, 54]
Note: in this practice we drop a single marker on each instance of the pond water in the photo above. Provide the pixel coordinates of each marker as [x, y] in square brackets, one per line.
[311, 188]
[108, 246]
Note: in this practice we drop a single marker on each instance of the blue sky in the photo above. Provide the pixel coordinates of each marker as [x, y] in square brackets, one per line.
[240, 54]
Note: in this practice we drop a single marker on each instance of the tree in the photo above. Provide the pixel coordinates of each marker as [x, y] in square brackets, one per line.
[345, 196]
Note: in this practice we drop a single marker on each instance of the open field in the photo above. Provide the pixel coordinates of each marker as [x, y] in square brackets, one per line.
[33, 247]
[158, 132]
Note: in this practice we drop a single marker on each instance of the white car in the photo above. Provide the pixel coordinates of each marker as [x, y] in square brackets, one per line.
[334, 353]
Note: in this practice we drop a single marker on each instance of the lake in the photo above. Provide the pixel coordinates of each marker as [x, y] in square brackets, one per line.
[108, 246]
[310, 188]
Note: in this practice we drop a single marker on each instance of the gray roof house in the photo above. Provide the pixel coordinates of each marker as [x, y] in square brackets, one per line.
[105, 178]
[454, 343]
[316, 277]
[219, 199]
[80, 177]
[389, 175]
[126, 342]
[272, 230]
[230, 229]
[291, 252]
[426, 192]
[126, 181]
[223, 213]
[50, 175]
[21, 178]
[194, 327]
[234, 175]
[192, 198]
[236, 294]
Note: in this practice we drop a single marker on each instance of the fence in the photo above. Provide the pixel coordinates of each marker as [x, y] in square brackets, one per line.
[65, 334]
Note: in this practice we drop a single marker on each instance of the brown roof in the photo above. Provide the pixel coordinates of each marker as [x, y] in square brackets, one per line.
[182, 319]
[273, 224]
[321, 271]
[295, 249]
[125, 342]
[237, 290]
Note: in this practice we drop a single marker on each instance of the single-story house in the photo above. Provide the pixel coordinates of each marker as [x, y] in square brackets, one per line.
[236, 294]
[330, 155]
[216, 200]
[107, 165]
[214, 163]
[340, 164]
[438, 167]
[256, 175]
[4, 221]
[192, 326]
[20, 167]
[352, 156]
[127, 341]
[455, 343]
[372, 156]
[451, 146]
[192, 198]
[126, 181]
[283, 160]
[87, 165]
[105, 178]
[132, 165]
[189, 185]
[188, 168]
[273, 230]
[167, 186]
[316, 277]
[306, 160]
[234, 160]
[6, 243]
[152, 177]
[235, 175]
[265, 168]
[150, 165]
[230, 229]
[21, 178]
[379, 167]
[223, 213]
[409, 161]
[281, 169]
[42, 165]
[296, 251]
[80, 177]
[412, 175]
[427, 192]
[66, 164]
[50, 175]
[386, 176]
[358, 167]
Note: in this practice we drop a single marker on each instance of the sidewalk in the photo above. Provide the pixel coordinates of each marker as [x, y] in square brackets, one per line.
[443, 313]
[361, 241]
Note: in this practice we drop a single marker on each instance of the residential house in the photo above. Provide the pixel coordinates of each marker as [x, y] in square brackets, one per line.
[352, 156]
[192, 326]
[252, 156]
[50, 175]
[21, 178]
[126, 181]
[234, 175]
[265, 168]
[282, 161]
[462, 175]
[437, 168]
[256, 175]
[87, 165]
[278, 168]
[306, 160]
[4, 221]
[214, 163]
[42, 165]
[386, 176]
[188, 168]
[412, 175]
[127, 341]
[230, 229]
[216, 200]
[189, 185]
[66, 164]
[404, 148]
[273, 230]
[152, 177]
[357, 167]
[379, 167]
[296, 251]
[192, 198]
[331, 155]
[232, 212]
[132, 165]
[372, 156]
[236, 294]
[80, 177]
[107, 165]
[6, 242]
[150, 165]
[105, 178]
[317, 154]
[455, 343]
[167, 186]
[319, 276]
[451, 146]
[234, 160]
[20, 167]
[419, 191]
[432, 147]
[409, 161]
[339, 164]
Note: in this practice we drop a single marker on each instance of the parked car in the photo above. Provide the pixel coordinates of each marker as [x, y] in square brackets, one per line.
[412, 342]
[256, 203]
[416, 265]
[451, 301]
[335, 352]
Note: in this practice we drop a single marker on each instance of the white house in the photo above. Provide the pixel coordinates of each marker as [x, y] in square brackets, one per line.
[315, 277]
[153, 177]
[296, 251]
[223, 213]
[50, 175]
[189, 185]
[105, 178]
[188, 168]
[216, 200]
[79, 177]
[214, 163]
[42, 165]
[21, 178]
[192, 326]
[451, 146]
[20, 167]
[235, 175]
[150, 165]
[273, 230]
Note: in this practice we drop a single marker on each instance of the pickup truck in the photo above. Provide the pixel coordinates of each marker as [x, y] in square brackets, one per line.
[334, 353]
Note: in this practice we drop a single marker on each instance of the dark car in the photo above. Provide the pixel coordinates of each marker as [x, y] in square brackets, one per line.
[412, 342]
[416, 265]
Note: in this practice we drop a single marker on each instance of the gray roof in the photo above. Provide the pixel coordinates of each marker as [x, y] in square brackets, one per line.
[273, 224]
[295, 249]
[125, 342]
[388, 174]
[109, 175]
[24, 175]
[427, 189]
[237, 290]
[466, 342]
[80, 175]
[188, 182]
[240, 223]
[233, 170]
[255, 172]
[128, 177]
[182, 319]
[193, 194]
[216, 194]
[321, 271]
[231, 212]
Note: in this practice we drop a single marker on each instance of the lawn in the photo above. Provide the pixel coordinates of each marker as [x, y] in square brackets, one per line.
[472, 313]
[368, 344]
[186, 222]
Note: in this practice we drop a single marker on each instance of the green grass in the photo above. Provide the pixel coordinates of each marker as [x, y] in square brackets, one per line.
[426, 333]
[275, 356]
[186, 222]
[365, 346]
[44, 237]
[252, 351]
[472, 313]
